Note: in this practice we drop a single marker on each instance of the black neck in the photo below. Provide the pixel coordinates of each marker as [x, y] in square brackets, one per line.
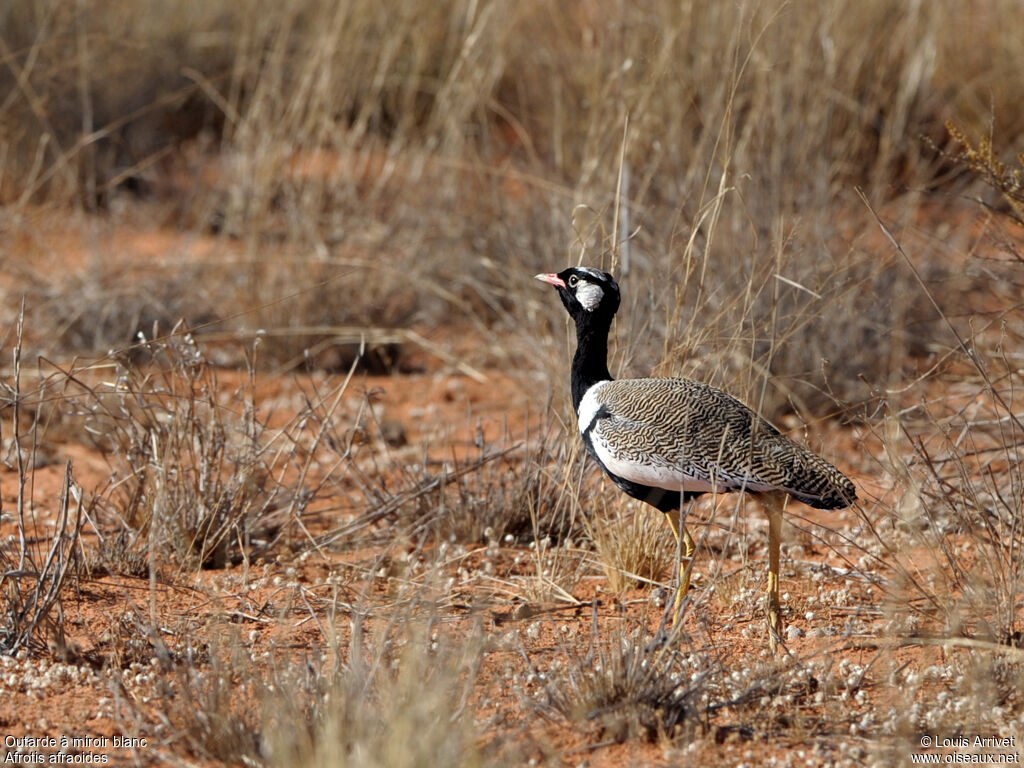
[590, 364]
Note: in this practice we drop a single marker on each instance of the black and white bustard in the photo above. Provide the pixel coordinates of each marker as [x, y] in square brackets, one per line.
[666, 441]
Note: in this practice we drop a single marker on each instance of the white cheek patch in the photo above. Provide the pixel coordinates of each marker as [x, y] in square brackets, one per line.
[589, 295]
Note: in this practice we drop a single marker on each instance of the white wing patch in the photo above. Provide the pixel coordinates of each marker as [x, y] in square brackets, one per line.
[589, 295]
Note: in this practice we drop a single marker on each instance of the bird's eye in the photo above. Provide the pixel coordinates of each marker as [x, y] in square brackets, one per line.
[573, 280]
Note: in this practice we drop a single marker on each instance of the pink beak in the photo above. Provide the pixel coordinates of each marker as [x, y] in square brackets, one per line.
[551, 277]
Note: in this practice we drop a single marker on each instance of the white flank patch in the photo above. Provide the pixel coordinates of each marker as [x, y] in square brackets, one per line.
[660, 475]
[590, 405]
[589, 295]
[654, 475]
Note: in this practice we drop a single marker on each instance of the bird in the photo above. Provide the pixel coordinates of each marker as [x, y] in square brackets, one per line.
[667, 441]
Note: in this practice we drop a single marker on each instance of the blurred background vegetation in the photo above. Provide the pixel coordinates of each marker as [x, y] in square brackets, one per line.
[394, 165]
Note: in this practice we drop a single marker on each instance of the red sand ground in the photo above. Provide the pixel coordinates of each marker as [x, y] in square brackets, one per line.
[496, 586]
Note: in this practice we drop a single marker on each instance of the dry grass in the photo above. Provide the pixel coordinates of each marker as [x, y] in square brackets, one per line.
[623, 690]
[395, 700]
[196, 478]
[38, 566]
[983, 161]
[632, 547]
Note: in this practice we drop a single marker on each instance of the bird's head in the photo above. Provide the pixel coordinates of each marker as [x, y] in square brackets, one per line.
[587, 293]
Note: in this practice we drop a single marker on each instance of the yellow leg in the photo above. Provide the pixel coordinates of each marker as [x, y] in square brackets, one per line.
[774, 505]
[685, 563]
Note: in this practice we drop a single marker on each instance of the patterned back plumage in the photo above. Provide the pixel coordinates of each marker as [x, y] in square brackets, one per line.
[708, 434]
